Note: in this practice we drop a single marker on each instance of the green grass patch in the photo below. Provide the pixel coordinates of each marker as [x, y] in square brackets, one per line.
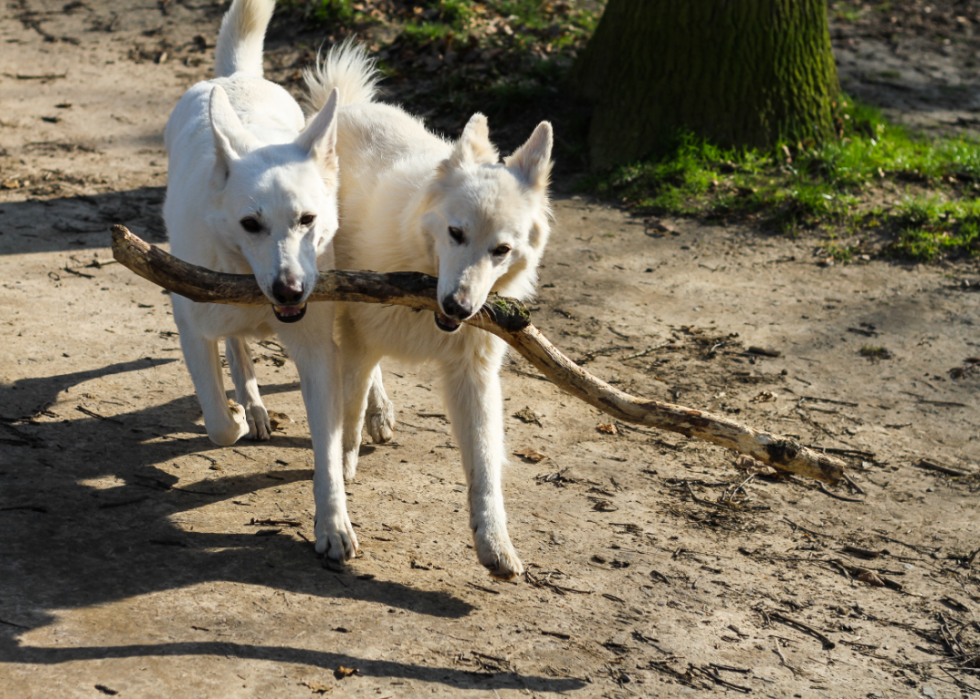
[876, 178]
[931, 228]
[875, 353]
[339, 12]
[450, 58]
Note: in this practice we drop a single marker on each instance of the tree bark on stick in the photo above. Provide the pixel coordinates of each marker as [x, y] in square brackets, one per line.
[507, 319]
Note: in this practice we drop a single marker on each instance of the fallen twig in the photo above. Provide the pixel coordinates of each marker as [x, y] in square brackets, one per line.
[931, 466]
[863, 553]
[712, 674]
[14, 624]
[645, 352]
[505, 318]
[829, 400]
[802, 528]
[43, 76]
[832, 494]
[481, 588]
[92, 413]
[854, 486]
[918, 549]
[957, 680]
[866, 575]
[868, 455]
[827, 643]
[560, 589]
[273, 522]
[724, 505]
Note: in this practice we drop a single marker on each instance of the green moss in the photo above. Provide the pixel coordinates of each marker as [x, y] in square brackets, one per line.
[508, 313]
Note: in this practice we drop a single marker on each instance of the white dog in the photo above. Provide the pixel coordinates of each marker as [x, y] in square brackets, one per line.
[410, 200]
[251, 191]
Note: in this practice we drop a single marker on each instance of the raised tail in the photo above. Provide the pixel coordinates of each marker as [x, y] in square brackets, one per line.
[240, 38]
[346, 67]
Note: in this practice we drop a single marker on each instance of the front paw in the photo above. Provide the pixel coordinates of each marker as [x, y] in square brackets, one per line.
[259, 425]
[497, 554]
[335, 537]
[234, 426]
[381, 422]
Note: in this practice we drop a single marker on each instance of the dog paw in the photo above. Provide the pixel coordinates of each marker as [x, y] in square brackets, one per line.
[350, 463]
[335, 538]
[234, 427]
[259, 425]
[498, 556]
[381, 422]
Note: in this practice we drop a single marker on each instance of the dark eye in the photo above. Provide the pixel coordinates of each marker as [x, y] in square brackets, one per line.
[501, 250]
[456, 234]
[307, 219]
[251, 225]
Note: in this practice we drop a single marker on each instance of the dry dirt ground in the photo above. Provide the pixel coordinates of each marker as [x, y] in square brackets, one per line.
[138, 559]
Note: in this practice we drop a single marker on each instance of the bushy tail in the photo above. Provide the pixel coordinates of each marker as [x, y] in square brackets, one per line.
[346, 67]
[240, 39]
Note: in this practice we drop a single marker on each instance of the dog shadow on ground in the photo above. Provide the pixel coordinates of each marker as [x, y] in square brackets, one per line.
[79, 222]
[65, 545]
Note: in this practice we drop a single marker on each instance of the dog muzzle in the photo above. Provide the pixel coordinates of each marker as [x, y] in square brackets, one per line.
[289, 314]
[446, 323]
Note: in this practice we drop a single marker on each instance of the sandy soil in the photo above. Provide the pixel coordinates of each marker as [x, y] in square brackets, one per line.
[138, 559]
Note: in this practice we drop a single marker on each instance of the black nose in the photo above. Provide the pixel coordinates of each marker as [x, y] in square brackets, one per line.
[453, 308]
[287, 292]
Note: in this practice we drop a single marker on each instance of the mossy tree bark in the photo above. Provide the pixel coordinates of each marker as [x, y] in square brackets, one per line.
[735, 72]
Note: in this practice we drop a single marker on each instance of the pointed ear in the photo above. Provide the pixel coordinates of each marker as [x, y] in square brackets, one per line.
[473, 146]
[231, 140]
[533, 160]
[319, 138]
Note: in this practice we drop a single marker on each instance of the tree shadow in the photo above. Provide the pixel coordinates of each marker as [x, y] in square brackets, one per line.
[79, 222]
[11, 651]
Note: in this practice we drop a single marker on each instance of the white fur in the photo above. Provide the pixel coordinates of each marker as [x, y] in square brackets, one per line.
[239, 152]
[402, 188]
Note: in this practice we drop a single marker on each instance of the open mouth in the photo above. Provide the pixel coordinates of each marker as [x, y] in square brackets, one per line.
[289, 314]
[446, 323]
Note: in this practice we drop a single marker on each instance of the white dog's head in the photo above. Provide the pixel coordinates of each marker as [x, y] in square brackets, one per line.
[487, 223]
[276, 204]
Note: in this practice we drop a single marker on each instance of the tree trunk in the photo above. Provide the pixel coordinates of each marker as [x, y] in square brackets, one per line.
[734, 72]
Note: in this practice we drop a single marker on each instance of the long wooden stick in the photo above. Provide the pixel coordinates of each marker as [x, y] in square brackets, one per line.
[507, 319]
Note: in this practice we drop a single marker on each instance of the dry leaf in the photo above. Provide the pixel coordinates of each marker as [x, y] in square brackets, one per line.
[528, 416]
[342, 672]
[608, 428]
[750, 465]
[278, 420]
[870, 578]
[532, 455]
[317, 687]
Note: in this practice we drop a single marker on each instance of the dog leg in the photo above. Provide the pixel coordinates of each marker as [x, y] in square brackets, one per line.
[225, 420]
[357, 378]
[475, 409]
[359, 367]
[380, 416]
[247, 388]
[318, 360]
